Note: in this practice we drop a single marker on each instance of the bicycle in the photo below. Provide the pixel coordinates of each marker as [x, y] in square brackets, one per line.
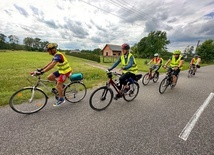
[102, 97]
[167, 81]
[192, 70]
[148, 76]
[29, 100]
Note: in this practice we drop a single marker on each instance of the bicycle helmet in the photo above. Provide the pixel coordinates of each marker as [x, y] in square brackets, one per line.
[125, 46]
[51, 46]
[196, 55]
[156, 55]
[177, 52]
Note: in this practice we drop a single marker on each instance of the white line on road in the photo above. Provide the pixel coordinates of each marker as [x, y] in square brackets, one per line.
[190, 125]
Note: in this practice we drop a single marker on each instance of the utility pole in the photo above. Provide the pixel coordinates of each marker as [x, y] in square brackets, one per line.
[197, 46]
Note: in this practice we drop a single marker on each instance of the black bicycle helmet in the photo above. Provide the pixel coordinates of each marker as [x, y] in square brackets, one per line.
[125, 46]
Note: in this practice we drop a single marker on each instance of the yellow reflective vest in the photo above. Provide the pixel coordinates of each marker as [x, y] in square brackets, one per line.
[174, 62]
[63, 67]
[132, 69]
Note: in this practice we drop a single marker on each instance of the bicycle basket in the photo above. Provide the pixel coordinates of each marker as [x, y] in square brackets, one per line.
[76, 76]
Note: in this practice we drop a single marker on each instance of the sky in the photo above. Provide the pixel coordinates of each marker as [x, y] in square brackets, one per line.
[91, 24]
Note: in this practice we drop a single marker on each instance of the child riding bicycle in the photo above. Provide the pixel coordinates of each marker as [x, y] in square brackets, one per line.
[156, 64]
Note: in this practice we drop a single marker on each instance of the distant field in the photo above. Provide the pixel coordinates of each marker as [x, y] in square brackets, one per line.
[16, 66]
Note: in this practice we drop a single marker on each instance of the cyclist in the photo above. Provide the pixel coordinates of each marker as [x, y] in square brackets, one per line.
[193, 63]
[129, 67]
[157, 62]
[176, 63]
[198, 62]
[60, 76]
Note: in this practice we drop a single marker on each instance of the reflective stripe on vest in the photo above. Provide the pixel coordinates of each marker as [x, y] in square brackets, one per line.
[132, 69]
[63, 67]
[175, 63]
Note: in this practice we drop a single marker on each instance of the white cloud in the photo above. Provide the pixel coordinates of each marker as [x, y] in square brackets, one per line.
[89, 24]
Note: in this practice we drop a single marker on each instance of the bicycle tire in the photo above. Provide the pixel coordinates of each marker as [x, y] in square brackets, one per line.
[155, 77]
[75, 92]
[190, 73]
[164, 83]
[145, 79]
[28, 100]
[99, 96]
[132, 93]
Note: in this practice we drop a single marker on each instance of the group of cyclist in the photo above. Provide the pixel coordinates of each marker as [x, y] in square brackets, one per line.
[129, 67]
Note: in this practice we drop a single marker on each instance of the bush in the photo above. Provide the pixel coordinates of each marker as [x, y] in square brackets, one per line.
[89, 56]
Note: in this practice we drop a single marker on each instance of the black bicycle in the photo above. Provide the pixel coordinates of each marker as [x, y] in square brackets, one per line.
[191, 71]
[32, 99]
[167, 81]
[102, 97]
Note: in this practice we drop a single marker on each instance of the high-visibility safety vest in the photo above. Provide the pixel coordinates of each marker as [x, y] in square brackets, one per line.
[63, 67]
[132, 69]
[194, 60]
[174, 62]
[155, 60]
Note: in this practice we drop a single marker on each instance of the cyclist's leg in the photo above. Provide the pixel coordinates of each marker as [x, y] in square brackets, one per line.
[53, 76]
[175, 75]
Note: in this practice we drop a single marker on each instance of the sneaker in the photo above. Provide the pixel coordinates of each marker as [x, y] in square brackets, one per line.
[117, 96]
[59, 102]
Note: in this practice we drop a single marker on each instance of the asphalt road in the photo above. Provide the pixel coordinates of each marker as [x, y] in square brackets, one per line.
[150, 125]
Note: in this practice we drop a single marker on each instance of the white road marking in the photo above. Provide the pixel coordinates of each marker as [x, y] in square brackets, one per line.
[190, 125]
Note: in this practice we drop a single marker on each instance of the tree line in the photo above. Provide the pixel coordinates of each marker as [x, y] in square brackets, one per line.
[154, 42]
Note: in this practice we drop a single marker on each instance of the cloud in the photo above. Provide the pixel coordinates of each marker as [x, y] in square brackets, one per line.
[21, 10]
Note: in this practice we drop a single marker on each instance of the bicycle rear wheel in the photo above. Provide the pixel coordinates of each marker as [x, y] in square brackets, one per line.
[132, 93]
[163, 85]
[101, 98]
[146, 79]
[28, 100]
[75, 92]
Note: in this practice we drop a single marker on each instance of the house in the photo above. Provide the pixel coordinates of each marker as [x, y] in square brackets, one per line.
[111, 50]
[76, 50]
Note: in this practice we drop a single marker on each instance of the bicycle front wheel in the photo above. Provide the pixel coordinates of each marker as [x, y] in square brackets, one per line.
[75, 92]
[146, 79]
[190, 73]
[132, 93]
[156, 77]
[163, 85]
[28, 100]
[101, 98]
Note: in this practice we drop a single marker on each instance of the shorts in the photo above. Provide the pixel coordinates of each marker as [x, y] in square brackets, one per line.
[155, 67]
[61, 77]
[175, 72]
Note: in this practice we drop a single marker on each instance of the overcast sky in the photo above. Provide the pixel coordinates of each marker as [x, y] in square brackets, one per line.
[90, 24]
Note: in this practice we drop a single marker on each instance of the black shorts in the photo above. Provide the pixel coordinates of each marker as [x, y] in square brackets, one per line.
[175, 72]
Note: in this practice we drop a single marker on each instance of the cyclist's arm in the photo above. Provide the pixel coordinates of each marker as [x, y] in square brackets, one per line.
[50, 66]
[115, 64]
[150, 61]
[131, 62]
[167, 62]
[181, 63]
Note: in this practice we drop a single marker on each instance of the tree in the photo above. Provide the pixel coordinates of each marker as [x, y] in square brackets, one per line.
[206, 51]
[13, 39]
[2, 38]
[155, 42]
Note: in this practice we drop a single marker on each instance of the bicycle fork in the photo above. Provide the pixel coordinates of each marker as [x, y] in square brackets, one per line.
[32, 95]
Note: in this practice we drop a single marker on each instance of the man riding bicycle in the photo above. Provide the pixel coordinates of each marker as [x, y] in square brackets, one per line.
[60, 76]
[157, 62]
[193, 63]
[176, 63]
[129, 67]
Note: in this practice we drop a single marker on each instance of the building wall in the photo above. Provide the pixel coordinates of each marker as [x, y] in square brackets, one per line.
[108, 52]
